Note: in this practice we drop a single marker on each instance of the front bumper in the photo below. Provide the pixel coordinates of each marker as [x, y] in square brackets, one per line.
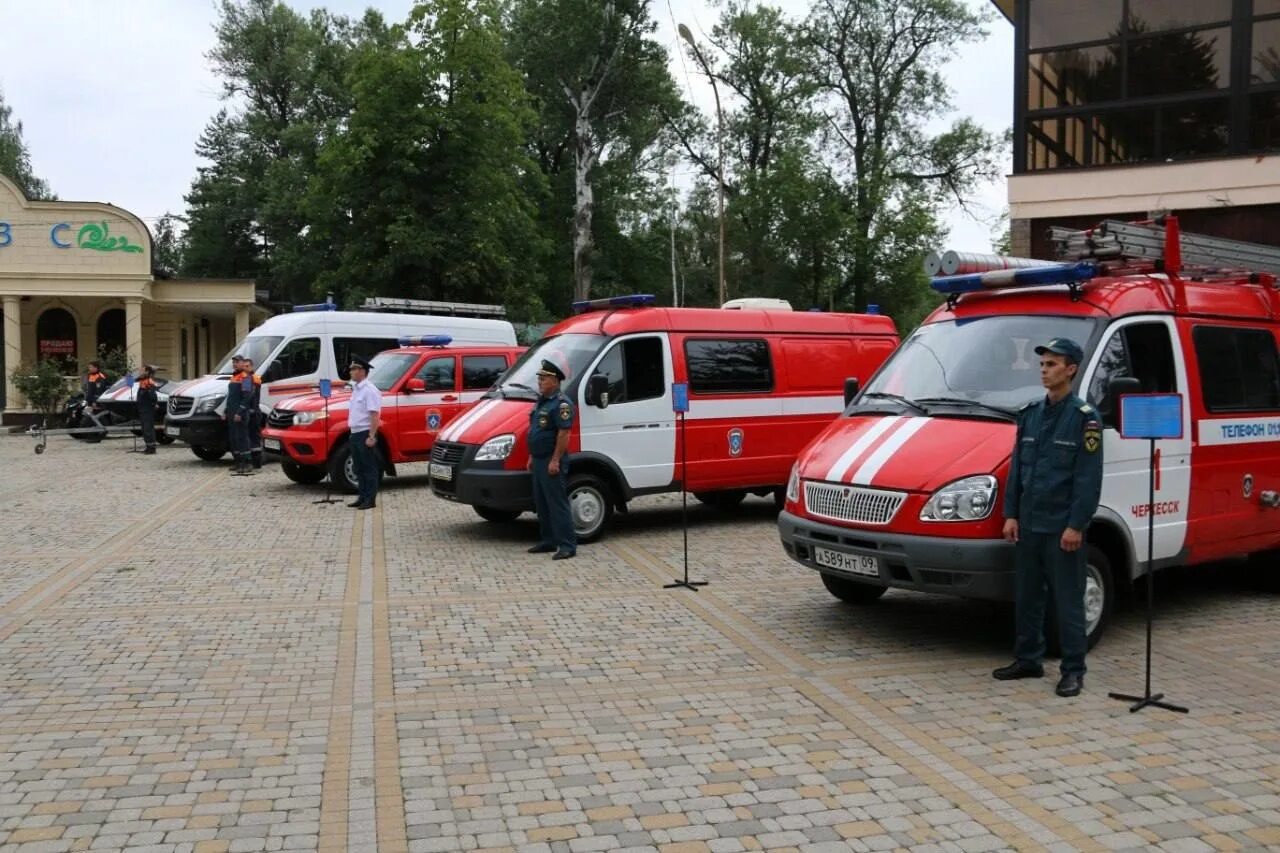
[970, 568]
[485, 484]
[303, 447]
[198, 430]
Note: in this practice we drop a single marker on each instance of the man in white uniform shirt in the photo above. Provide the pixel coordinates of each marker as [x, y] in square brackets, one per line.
[363, 418]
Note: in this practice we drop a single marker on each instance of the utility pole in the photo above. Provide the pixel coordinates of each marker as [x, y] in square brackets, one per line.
[715, 90]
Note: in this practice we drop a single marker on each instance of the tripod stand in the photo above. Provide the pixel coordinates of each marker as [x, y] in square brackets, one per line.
[680, 397]
[326, 391]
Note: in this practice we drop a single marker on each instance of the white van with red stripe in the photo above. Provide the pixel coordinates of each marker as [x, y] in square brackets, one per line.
[761, 385]
[905, 489]
[293, 352]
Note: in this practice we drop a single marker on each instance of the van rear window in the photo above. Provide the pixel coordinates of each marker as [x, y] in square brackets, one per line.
[1239, 369]
[728, 366]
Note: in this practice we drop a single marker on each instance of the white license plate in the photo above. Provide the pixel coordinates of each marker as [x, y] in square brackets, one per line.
[441, 471]
[271, 443]
[858, 564]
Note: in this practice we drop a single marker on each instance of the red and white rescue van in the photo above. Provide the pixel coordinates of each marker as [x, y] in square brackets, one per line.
[425, 383]
[761, 384]
[905, 489]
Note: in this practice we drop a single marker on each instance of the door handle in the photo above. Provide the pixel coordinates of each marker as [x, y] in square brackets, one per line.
[448, 398]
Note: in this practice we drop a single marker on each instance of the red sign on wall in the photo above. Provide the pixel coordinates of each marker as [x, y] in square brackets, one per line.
[53, 346]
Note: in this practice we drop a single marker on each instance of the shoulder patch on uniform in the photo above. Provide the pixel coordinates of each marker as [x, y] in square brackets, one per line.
[1086, 408]
[566, 411]
[1092, 437]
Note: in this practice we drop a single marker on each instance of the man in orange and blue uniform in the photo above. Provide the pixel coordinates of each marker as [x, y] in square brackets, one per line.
[1054, 485]
[147, 400]
[242, 391]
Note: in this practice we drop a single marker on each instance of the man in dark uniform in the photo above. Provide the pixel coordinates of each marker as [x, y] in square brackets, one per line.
[240, 395]
[147, 400]
[1055, 481]
[255, 416]
[550, 423]
[95, 382]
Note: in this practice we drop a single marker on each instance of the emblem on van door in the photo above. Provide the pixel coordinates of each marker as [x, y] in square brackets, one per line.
[1248, 486]
[433, 420]
[735, 442]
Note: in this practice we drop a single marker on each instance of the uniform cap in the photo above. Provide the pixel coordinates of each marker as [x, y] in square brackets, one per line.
[550, 368]
[1065, 347]
[362, 362]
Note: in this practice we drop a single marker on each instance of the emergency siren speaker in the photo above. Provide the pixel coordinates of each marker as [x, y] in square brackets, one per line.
[962, 263]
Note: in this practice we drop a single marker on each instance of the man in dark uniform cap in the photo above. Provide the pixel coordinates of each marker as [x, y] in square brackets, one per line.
[241, 390]
[550, 423]
[147, 400]
[1055, 482]
[364, 419]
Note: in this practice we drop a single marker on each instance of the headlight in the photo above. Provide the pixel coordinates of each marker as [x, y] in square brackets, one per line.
[496, 449]
[793, 484]
[304, 418]
[209, 404]
[970, 499]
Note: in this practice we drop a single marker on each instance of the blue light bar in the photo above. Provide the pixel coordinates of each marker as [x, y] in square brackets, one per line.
[633, 300]
[1028, 277]
[319, 306]
[425, 340]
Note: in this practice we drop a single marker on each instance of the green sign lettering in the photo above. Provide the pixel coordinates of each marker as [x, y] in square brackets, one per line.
[95, 236]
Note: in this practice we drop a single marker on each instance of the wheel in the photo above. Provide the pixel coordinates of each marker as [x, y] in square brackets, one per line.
[488, 513]
[852, 592]
[39, 449]
[342, 469]
[590, 505]
[307, 475]
[208, 454]
[722, 500]
[780, 498]
[1099, 596]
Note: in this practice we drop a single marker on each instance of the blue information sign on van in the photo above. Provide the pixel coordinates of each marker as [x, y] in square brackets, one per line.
[679, 397]
[1151, 416]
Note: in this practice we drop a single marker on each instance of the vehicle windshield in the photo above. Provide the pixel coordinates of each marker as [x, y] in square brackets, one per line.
[986, 361]
[256, 347]
[572, 352]
[388, 367]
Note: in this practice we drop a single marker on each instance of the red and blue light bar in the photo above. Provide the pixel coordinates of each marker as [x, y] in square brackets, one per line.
[1027, 277]
[318, 306]
[633, 300]
[425, 340]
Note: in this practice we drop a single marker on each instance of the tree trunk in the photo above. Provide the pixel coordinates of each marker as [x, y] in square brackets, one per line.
[583, 207]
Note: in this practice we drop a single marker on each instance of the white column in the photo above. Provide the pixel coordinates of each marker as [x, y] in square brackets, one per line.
[242, 323]
[133, 329]
[12, 348]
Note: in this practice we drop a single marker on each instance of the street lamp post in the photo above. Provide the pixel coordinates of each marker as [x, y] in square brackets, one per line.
[706, 69]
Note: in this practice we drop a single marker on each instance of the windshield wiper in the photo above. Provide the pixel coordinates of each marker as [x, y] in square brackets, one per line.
[897, 398]
[998, 411]
[519, 385]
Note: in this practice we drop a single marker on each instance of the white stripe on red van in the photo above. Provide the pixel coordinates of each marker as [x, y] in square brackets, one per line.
[881, 455]
[837, 471]
[458, 427]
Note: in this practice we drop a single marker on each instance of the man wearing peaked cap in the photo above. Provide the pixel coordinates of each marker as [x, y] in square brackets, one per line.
[364, 419]
[1055, 482]
[550, 424]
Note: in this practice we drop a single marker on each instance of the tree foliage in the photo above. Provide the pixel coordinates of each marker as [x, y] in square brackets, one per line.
[15, 159]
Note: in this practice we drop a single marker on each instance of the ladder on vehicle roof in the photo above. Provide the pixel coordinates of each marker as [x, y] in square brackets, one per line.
[1114, 240]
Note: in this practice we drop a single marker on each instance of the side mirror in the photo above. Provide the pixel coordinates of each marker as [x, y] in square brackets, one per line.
[1118, 387]
[850, 390]
[598, 390]
[416, 386]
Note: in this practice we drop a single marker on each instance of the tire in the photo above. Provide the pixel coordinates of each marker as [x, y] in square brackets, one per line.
[1099, 601]
[722, 500]
[88, 437]
[307, 475]
[488, 513]
[342, 470]
[852, 592]
[780, 498]
[590, 506]
[208, 454]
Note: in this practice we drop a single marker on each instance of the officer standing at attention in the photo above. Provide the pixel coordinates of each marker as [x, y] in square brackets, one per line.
[550, 423]
[1055, 481]
[364, 418]
[255, 416]
[95, 382]
[147, 401]
[240, 394]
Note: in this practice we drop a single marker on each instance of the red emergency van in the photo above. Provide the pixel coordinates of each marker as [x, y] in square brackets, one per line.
[424, 383]
[760, 385]
[905, 489]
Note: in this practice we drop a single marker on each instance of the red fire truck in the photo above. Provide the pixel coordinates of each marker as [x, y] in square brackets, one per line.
[903, 490]
[761, 383]
[424, 383]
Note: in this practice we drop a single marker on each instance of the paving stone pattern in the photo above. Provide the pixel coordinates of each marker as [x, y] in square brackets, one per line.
[192, 662]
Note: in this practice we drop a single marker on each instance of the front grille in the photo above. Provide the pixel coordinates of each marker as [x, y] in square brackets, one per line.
[852, 503]
[447, 452]
[280, 419]
[181, 405]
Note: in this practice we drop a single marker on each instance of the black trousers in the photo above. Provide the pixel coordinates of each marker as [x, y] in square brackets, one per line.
[147, 420]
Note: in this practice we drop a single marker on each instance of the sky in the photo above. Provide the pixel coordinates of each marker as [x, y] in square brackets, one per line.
[112, 102]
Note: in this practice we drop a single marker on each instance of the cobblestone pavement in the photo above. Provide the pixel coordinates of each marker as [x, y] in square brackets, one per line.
[196, 662]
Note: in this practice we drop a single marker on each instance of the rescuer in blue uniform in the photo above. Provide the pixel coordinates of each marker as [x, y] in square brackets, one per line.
[241, 392]
[1055, 481]
[550, 424]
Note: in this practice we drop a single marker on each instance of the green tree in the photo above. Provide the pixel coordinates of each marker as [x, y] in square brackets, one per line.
[602, 89]
[878, 64]
[15, 160]
[167, 247]
[42, 385]
[428, 190]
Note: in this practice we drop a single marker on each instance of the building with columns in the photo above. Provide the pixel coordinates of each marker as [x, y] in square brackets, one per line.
[76, 276]
[1125, 108]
